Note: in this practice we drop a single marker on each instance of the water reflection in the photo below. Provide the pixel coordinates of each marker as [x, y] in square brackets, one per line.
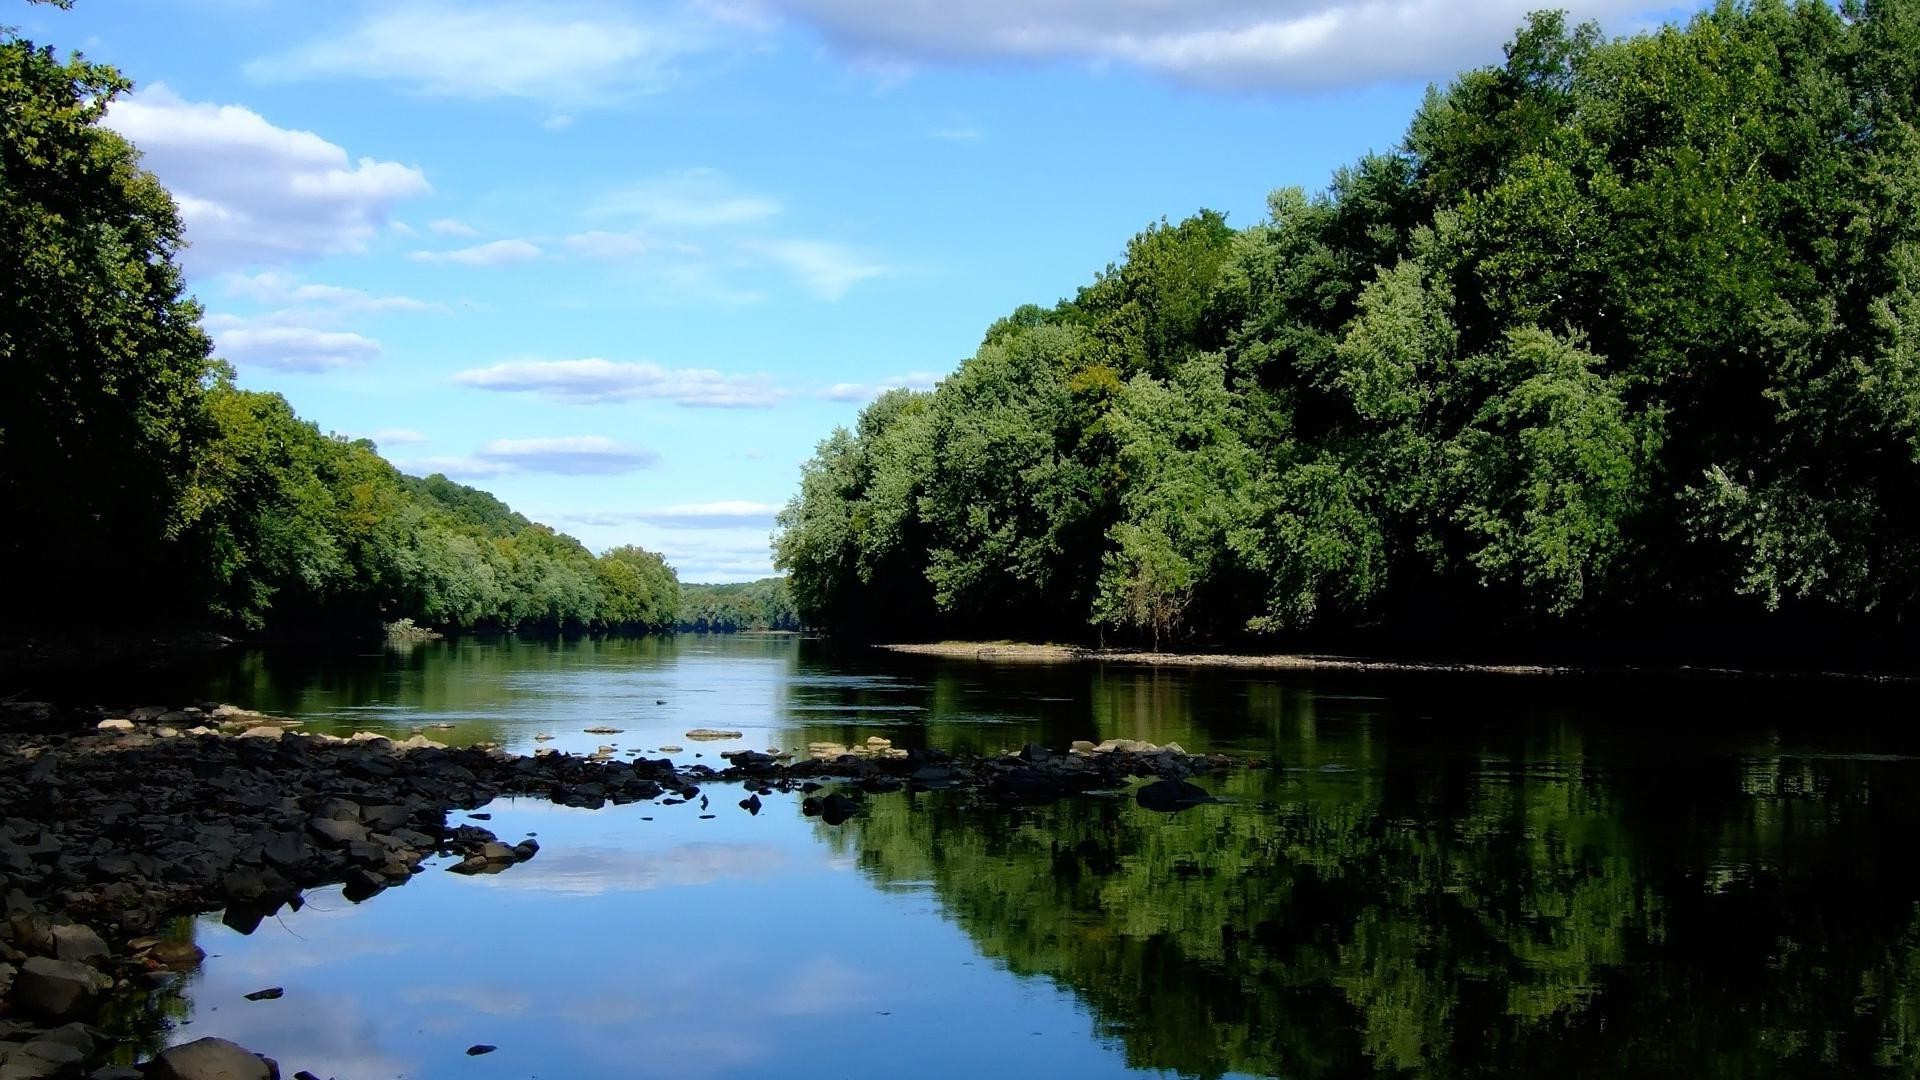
[1441, 877]
[1452, 918]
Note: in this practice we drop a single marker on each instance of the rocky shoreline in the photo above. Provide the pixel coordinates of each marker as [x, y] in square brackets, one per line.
[113, 824]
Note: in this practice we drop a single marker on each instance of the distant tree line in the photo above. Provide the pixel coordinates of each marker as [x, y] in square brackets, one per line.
[140, 489]
[728, 609]
[1622, 339]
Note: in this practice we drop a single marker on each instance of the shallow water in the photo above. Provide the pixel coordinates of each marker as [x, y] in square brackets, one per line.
[1443, 876]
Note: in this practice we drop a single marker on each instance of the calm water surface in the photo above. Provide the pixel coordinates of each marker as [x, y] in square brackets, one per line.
[1445, 876]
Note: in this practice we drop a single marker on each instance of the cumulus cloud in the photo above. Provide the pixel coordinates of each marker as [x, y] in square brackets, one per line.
[398, 436]
[567, 455]
[276, 287]
[1228, 44]
[822, 267]
[597, 380]
[710, 559]
[867, 391]
[688, 198]
[251, 192]
[290, 348]
[492, 253]
[600, 244]
[452, 227]
[563, 55]
[720, 514]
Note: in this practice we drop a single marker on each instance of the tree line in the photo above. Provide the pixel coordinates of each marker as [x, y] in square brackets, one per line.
[1622, 339]
[140, 489]
[733, 608]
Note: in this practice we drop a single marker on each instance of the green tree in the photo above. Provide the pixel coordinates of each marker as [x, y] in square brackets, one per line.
[102, 359]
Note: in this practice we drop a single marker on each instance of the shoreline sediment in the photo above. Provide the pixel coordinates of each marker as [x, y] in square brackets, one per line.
[1000, 652]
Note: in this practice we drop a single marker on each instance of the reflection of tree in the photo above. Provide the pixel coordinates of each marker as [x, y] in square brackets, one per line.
[1510, 914]
[137, 1019]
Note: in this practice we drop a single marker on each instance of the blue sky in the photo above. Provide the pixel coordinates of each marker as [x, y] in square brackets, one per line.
[624, 264]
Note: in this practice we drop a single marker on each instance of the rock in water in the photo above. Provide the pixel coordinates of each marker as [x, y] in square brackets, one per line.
[834, 809]
[211, 1059]
[702, 734]
[271, 993]
[480, 1048]
[1171, 795]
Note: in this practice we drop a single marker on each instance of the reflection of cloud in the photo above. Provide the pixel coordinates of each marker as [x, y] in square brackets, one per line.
[326, 1034]
[480, 997]
[592, 871]
[822, 988]
[603, 1009]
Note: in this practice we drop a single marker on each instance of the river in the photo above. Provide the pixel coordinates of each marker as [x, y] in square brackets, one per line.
[1440, 876]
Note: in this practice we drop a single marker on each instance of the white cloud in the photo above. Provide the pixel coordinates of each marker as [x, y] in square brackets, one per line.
[708, 558]
[721, 514]
[398, 436]
[277, 287]
[571, 55]
[252, 193]
[824, 268]
[568, 455]
[557, 122]
[447, 226]
[688, 198]
[290, 348]
[856, 391]
[600, 244]
[1234, 44]
[597, 380]
[492, 253]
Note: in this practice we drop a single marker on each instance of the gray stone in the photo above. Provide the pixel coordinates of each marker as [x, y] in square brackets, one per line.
[263, 732]
[337, 833]
[79, 944]
[211, 1059]
[56, 989]
[116, 723]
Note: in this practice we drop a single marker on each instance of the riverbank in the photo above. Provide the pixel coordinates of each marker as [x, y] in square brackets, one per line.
[1004, 652]
[111, 825]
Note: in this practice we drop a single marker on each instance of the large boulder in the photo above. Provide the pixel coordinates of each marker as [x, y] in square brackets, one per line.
[79, 944]
[211, 1059]
[56, 989]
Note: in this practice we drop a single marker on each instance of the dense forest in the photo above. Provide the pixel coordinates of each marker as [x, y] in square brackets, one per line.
[1621, 341]
[728, 609]
[142, 490]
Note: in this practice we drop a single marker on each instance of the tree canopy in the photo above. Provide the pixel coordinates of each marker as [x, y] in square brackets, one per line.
[1620, 339]
[140, 487]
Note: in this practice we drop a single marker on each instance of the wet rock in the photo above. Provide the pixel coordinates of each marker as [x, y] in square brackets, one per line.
[1171, 795]
[174, 955]
[271, 993]
[56, 989]
[116, 723]
[480, 1048]
[713, 735]
[602, 729]
[211, 1059]
[833, 808]
[751, 804]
